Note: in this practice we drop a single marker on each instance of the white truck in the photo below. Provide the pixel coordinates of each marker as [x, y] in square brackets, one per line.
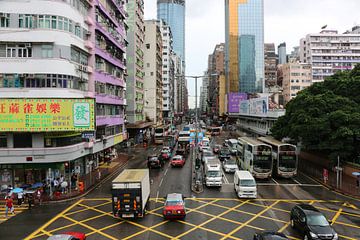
[244, 184]
[130, 193]
[212, 173]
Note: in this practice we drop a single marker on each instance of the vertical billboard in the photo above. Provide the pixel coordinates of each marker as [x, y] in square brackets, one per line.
[234, 100]
[46, 115]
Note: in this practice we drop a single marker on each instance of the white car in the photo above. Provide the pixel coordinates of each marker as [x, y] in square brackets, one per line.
[230, 165]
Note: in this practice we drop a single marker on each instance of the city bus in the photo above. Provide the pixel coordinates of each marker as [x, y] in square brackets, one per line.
[214, 131]
[255, 156]
[284, 157]
[160, 133]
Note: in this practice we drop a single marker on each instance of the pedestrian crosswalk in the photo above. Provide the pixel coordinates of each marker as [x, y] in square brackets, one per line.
[18, 209]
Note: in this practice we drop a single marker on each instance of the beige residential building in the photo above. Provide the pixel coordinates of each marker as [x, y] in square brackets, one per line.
[295, 77]
[153, 86]
[222, 95]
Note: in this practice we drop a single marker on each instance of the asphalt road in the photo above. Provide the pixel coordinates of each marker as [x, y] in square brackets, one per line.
[216, 213]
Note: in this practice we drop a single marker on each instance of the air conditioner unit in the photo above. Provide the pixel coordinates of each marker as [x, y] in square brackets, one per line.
[87, 33]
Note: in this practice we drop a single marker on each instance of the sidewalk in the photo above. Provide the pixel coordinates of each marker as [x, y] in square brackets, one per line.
[89, 181]
[348, 184]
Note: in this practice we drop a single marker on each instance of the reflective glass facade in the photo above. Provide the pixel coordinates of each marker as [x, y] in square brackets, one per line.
[173, 14]
[244, 56]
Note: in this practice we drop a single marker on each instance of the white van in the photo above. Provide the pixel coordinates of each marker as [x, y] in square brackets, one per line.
[245, 185]
[233, 145]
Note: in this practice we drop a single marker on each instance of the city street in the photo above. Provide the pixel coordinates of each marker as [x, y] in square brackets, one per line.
[215, 213]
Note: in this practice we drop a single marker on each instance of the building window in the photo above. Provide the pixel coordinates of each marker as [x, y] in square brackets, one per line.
[4, 20]
[24, 51]
[53, 22]
[77, 31]
[47, 51]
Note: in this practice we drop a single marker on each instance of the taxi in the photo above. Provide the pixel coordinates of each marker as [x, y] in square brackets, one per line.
[178, 161]
[174, 207]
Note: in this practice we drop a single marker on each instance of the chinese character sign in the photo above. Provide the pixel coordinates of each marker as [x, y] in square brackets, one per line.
[44, 115]
[234, 100]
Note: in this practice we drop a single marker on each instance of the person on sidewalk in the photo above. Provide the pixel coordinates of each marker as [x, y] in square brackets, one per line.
[9, 205]
[20, 197]
[30, 199]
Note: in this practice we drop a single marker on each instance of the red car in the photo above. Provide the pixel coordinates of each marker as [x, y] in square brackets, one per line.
[178, 161]
[174, 207]
[68, 236]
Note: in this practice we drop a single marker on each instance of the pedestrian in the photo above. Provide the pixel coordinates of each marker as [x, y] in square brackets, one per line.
[20, 198]
[9, 206]
[38, 195]
[30, 199]
[56, 184]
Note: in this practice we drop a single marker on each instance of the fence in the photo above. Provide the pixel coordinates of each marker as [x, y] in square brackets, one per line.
[348, 184]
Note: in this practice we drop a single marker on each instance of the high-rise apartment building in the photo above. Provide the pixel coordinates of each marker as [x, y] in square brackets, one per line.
[282, 53]
[329, 52]
[168, 74]
[270, 65]
[295, 77]
[172, 12]
[244, 47]
[204, 95]
[62, 87]
[153, 72]
[216, 68]
[137, 125]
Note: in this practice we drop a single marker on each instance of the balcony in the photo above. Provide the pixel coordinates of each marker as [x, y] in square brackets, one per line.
[109, 120]
[109, 99]
[120, 45]
[104, 77]
[108, 57]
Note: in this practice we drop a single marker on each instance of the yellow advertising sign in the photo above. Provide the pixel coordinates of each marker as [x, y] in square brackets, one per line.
[44, 115]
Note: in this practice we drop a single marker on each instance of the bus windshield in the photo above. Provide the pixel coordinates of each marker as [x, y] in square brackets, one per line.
[213, 174]
[287, 163]
[262, 163]
[159, 130]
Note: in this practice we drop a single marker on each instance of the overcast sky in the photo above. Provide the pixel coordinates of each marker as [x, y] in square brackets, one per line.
[285, 21]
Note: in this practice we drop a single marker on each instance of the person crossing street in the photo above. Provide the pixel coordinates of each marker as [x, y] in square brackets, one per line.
[9, 205]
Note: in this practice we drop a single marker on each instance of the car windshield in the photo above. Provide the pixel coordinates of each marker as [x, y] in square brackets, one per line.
[225, 152]
[206, 153]
[214, 174]
[317, 220]
[159, 130]
[177, 158]
[174, 203]
[230, 162]
[247, 182]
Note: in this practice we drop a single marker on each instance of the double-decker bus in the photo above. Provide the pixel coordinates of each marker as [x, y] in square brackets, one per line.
[255, 157]
[160, 133]
[284, 156]
[214, 131]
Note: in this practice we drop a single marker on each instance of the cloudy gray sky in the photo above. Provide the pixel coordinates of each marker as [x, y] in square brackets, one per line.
[285, 21]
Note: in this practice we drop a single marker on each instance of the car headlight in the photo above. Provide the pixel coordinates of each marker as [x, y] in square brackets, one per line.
[336, 237]
[313, 235]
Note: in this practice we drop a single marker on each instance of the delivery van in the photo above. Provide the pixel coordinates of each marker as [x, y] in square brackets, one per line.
[244, 184]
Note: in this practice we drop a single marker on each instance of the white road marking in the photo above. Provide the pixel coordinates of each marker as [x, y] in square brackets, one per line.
[289, 184]
[297, 181]
[275, 181]
[161, 182]
[225, 178]
[166, 171]
[157, 196]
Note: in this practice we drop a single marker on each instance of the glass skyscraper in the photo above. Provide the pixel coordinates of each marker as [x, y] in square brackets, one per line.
[172, 12]
[244, 48]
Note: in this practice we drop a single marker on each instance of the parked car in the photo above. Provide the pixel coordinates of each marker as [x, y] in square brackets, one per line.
[216, 148]
[68, 236]
[230, 165]
[154, 161]
[224, 154]
[178, 161]
[268, 235]
[311, 223]
[174, 207]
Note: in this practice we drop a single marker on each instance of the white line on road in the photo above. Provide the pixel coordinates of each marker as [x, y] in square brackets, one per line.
[297, 181]
[275, 181]
[157, 196]
[161, 182]
[166, 171]
[225, 178]
[289, 184]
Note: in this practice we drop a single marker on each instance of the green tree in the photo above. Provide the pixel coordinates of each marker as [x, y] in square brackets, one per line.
[326, 117]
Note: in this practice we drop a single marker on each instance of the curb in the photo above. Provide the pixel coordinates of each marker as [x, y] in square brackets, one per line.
[119, 168]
